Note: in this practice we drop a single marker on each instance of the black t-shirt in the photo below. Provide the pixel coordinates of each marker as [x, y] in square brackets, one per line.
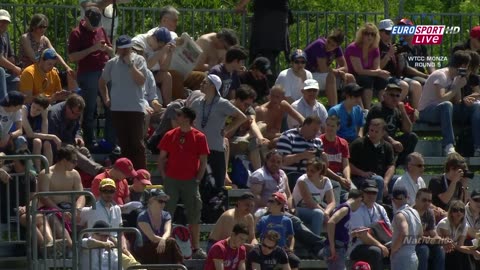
[135, 196]
[390, 66]
[260, 86]
[472, 81]
[393, 117]
[461, 46]
[379, 157]
[438, 186]
[21, 194]
[267, 262]
[415, 50]
[266, 5]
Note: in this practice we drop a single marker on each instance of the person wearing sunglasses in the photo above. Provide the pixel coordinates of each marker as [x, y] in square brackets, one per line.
[293, 78]
[392, 110]
[268, 255]
[406, 226]
[363, 61]
[412, 179]
[472, 213]
[430, 253]
[454, 226]
[155, 225]
[277, 220]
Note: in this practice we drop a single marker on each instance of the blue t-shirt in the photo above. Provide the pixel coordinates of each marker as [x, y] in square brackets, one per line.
[348, 122]
[281, 224]
[144, 217]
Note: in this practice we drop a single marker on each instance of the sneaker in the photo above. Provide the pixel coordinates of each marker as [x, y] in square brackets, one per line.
[199, 254]
[449, 149]
[477, 152]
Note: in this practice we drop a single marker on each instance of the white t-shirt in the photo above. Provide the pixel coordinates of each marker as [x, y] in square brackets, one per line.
[456, 234]
[429, 93]
[411, 187]
[148, 51]
[318, 194]
[98, 254]
[172, 34]
[306, 110]
[112, 216]
[7, 121]
[291, 83]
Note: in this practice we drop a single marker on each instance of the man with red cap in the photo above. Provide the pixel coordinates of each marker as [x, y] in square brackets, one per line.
[140, 182]
[473, 43]
[123, 168]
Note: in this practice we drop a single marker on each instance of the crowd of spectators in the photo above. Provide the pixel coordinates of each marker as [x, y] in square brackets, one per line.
[312, 169]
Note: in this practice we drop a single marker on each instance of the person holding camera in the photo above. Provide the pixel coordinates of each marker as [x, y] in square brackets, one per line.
[453, 184]
[441, 91]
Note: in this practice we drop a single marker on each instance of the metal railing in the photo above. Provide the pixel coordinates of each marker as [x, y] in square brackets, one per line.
[119, 244]
[158, 266]
[36, 262]
[308, 25]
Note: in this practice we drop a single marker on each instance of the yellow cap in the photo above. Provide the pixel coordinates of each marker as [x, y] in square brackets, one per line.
[107, 182]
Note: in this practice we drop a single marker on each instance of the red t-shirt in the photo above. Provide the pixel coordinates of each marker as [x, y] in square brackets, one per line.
[122, 188]
[80, 39]
[335, 151]
[221, 251]
[183, 158]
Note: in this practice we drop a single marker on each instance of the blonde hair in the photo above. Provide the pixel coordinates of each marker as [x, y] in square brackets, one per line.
[365, 28]
[460, 205]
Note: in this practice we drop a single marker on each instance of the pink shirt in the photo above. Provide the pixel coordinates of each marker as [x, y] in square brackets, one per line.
[356, 51]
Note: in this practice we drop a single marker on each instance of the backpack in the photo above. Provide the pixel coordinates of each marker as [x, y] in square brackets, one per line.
[182, 237]
[241, 170]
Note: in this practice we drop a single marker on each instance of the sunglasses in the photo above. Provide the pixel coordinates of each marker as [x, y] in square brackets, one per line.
[367, 33]
[418, 165]
[426, 200]
[387, 32]
[299, 62]
[267, 247]
[394, 95]
[456, 210]
[107, 191]
[162, 201]
[398, 198]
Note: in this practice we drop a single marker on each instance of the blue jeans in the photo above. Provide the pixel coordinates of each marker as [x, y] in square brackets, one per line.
[441, 113]
[313, 218]
[88, 82]
[358, 182]
[8, 83]
[430, 257]
[339, 262]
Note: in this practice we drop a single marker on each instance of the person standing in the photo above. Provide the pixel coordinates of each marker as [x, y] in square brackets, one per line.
[90, 48]
[407, 226]
[127, 73]
[182, 163]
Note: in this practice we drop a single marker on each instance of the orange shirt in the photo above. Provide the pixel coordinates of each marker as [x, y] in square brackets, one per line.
[36, 82]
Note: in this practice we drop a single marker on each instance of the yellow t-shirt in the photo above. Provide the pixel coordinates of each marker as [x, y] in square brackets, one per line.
[32, 80]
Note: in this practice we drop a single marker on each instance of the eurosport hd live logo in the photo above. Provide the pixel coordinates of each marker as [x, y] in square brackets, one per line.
[425, 34]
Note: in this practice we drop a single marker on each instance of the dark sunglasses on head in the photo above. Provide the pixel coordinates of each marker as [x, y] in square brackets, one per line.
[456, 210]
[267, 247]
[107, 191]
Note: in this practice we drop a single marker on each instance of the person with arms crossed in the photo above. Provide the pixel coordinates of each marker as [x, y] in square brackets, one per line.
[268, 255]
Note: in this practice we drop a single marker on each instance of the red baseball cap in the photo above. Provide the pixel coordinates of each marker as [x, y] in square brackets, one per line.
[405, 21]
[144, 177]
[361, 266]
[280, 197]
[475, 32]
[125, 166]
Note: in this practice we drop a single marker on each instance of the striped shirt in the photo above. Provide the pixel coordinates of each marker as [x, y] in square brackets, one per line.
[292, 142]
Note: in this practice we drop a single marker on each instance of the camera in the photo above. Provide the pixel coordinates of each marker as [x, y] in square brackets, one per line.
[462, 72]
[468, 174]
[318, 153]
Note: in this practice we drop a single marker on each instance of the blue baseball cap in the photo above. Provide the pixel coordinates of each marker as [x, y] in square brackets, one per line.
[298, 54]
[49, 54]
[162, 34]
[123, 42]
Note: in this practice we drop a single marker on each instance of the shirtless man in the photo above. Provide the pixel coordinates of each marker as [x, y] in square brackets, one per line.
[61, 177]
[270, 115]
[214, 47]
[242, 213]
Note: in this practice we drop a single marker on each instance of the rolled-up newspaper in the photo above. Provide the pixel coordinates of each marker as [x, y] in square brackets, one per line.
[186, 56]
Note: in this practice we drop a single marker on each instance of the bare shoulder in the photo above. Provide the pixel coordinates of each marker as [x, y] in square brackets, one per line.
[74, 174]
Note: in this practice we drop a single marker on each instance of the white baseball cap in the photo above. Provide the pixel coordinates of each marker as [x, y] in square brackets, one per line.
[386, 24]
[217, 82]
[4, 15]
[310, 84]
